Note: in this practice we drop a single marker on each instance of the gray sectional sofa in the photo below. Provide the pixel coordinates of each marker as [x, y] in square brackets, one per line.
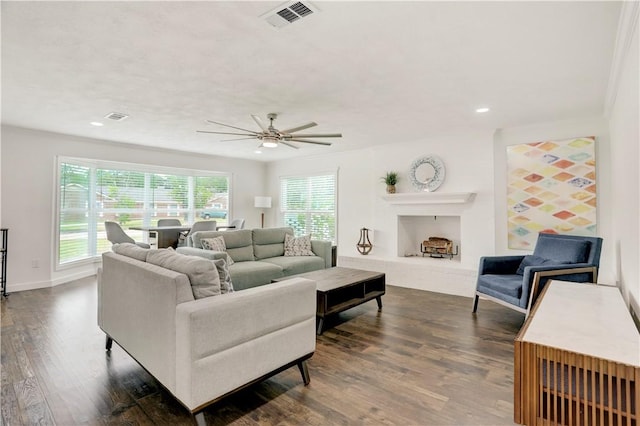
[258, 255]
[202, 349]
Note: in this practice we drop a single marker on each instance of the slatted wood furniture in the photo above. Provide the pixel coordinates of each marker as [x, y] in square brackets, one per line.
[577, 359]
[339, 289]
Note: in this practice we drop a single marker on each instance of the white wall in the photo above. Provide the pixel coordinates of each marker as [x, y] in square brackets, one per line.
[469, 168]
[357, 182]
[595, 126]
[28, 161]
[468, 160]
[625, 156]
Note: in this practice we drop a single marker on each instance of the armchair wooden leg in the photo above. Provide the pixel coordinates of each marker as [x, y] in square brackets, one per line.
[108, 343]
[475, 303]
[304, 371]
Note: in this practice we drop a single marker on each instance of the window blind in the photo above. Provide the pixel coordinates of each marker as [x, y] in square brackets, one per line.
[92, 192]
[308, 205]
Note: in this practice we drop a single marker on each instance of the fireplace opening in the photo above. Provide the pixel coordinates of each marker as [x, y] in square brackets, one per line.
[429, 237]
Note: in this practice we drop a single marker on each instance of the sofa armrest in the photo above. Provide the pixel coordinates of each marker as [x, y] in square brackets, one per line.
[499, 264]
[323, 250]
[226, 341]
[207, 254]
[137, 308]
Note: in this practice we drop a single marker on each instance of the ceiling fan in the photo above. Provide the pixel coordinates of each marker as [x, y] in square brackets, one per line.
[270, 137]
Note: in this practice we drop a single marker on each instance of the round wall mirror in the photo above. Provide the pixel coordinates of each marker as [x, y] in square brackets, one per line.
[427, 173]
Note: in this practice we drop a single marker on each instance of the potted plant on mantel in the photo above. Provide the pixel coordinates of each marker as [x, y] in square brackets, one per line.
[390, 178]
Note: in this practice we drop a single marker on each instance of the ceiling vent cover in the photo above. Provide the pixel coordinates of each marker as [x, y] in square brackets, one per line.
[116, 116]
[288, 13]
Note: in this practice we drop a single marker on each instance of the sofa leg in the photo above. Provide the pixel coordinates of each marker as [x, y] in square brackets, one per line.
[200, 421]
[475, 303]
[302, 365]
[108, 343]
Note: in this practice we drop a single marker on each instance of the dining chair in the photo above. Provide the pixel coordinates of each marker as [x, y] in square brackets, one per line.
[169, 222]
[237, 224]
[204, 225]
[116, 235]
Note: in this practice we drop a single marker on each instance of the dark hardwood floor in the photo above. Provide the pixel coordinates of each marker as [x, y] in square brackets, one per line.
[424, 360]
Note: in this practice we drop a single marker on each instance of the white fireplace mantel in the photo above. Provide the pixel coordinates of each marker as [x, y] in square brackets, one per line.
[429, 197]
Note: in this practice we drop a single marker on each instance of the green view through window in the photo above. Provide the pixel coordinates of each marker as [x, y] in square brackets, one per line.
[308, 205]
[91, 192]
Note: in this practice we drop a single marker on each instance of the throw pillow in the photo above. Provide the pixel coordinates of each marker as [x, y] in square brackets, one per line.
[297, 246]
[216, 244]
[226, 286]
[532, 260]
[203, 274]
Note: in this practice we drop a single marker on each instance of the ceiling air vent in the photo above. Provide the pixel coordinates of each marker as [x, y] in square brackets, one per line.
[288, 13]
[116, 116]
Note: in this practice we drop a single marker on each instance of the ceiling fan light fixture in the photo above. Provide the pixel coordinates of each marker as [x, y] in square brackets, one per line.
[269, 142]
[270, 137]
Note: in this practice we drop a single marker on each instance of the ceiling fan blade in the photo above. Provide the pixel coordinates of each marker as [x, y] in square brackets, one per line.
[238, 139]
[297, 129]
[227, 133]
[233, 127]
[318, 135]
[288, 144]
[260, 123]
[308, 141]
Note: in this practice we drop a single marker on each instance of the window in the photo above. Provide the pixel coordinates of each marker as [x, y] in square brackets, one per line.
[91, 192]
[308, 205]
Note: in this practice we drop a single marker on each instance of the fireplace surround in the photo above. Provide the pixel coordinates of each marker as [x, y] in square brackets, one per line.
[403, 222]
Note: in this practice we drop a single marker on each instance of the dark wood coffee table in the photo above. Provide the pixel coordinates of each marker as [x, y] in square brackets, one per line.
[339, 289]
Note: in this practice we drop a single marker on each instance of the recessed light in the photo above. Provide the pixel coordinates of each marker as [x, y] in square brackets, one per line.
[483, 109]
[96, 123]
[257, 151]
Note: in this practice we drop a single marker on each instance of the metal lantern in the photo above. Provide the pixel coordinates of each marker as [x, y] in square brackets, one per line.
[364, 245]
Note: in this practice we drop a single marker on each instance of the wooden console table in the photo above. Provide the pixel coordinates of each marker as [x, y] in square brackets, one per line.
[577, 359]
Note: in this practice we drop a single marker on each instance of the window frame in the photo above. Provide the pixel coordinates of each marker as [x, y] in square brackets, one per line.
[308, 212]
[93, 215]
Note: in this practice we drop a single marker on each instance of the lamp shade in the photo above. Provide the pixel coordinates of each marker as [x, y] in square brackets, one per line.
[262, 202]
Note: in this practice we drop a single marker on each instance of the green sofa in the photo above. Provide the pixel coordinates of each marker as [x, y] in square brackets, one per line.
[258, 255]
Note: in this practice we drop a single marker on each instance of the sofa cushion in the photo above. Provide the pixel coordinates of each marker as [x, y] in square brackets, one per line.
[562, 250]
[216, 244]
[510, 285]
[131, 250]
[226, 286]
[531, 260]
[239, 242]
[297, 246]
[203, 274]
[253, 273]
[269, 242]
[292, 265]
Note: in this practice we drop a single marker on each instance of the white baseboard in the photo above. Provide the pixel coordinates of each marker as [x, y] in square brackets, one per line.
[35, 285]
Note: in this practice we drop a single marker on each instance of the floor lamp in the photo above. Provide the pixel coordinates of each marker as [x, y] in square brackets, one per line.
[262, 202]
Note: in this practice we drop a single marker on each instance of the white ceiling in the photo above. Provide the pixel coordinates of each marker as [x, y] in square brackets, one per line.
[378, 72]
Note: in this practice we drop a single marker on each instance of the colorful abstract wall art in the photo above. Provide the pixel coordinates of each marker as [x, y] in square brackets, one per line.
[551, 187]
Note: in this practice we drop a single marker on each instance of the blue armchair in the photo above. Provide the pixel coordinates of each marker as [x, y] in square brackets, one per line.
[516, 281]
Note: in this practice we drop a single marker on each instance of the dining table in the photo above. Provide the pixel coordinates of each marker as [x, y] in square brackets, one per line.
[168, 236]
[165, 236]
